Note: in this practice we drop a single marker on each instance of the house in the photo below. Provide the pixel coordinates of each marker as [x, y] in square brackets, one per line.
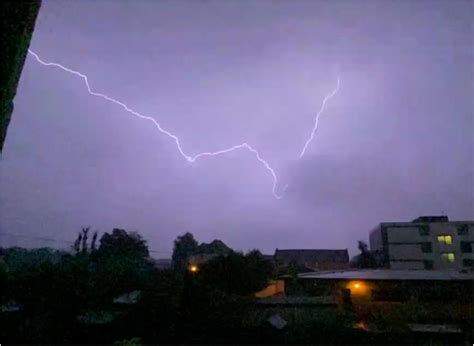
[428, 242]
[274, 288]
[313, 259]
[420, 296]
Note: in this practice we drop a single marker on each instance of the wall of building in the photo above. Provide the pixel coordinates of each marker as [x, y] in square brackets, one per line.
[375, 239]
[17, 21]
[418, 300]
[273, 288]
[416, 245]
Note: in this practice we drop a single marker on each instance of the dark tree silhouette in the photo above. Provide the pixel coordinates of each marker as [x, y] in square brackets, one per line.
[236, 273]
[94, 240]
[124, 244]
[84, 238]
[184, 246]
[77, 243]
[366, 258]
[121, 264]
[217, 247]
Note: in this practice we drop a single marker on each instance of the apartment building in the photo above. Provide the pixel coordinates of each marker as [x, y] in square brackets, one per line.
[428, 242]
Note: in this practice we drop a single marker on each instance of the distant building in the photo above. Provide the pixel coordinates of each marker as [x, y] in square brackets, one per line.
[428, 242]
[313, 259]
[268, 257]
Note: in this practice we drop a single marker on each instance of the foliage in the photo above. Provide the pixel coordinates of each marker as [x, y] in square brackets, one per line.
[366, 258]
[54, 288]
[121, 243]
[81, 243]
[69, 298]
[237, 273]
[129, 342]
[120, 263]
[3, 280]
[319, 326]
[18, 259]
[216, 247]
[184, 246]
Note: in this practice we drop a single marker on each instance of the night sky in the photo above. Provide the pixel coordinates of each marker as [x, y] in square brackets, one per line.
[394, 143]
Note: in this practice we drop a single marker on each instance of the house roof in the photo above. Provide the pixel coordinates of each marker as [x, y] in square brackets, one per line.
[389, 274]
[268, 257]
[301, 256]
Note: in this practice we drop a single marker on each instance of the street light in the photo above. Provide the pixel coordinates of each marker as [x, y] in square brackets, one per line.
[193, 268]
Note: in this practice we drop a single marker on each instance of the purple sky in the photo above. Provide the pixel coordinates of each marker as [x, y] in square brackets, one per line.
[396, 141]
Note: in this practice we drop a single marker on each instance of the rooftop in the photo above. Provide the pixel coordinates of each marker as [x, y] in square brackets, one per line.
[441, 218]
[388, 274]
[312, 255]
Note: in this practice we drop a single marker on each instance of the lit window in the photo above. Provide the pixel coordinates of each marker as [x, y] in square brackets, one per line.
[448, 257]
[445, 239]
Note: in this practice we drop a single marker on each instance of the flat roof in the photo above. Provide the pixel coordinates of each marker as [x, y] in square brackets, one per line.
[388, 274]
[416, 223]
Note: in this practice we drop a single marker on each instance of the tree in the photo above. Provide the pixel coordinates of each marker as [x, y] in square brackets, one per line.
[120, 263]
[217, 247]
[77, 243]
[184, 246]
[237, 273]
[33, 286]
[84, 238]
[366, 258]
[94, 240]
[81, 244]
[123, 244]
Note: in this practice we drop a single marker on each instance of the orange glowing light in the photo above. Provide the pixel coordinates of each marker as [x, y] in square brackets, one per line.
[358, 288]
[193, 268]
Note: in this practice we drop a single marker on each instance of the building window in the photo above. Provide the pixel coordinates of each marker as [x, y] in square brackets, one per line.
[466, 247]
[426, 247]
[428, 264]
[448, 257]
[424, 230]
[463, 230]
[468, 262]
[445, 239]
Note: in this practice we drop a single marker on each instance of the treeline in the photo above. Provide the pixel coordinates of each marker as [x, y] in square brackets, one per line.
[51, 296]
[108, 290]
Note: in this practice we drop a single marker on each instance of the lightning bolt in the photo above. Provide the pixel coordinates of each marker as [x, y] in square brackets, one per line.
[189, 158]
[316, 118]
